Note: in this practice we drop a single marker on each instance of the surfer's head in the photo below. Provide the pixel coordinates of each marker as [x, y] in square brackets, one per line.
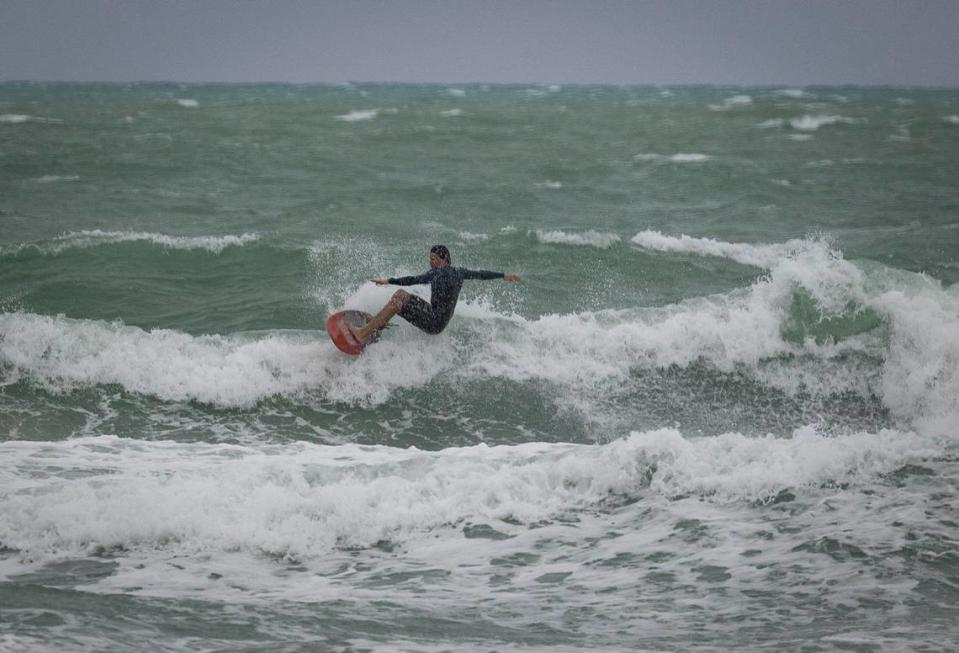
[438, 254]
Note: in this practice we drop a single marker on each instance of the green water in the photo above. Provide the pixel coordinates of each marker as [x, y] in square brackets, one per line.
[717, 412]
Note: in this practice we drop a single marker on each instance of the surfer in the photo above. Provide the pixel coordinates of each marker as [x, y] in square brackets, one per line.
[432, 317]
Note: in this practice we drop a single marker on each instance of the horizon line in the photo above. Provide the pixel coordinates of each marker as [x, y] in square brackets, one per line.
[354, 82]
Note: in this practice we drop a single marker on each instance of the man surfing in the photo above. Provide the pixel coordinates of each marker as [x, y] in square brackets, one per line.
[445, 282]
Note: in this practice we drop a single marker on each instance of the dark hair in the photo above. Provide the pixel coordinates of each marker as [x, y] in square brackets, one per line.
[442, 252]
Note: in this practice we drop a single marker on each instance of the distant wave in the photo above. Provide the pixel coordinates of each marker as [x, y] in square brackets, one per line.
[952, 120]
[794, 93]
[49, 179]
[763, 256]
[812, 123]
[18, 118]
[808, 123]
[826, 163]
[95, 237]
[591, 238]
[732, 102]
[549, 184]
[359, 115]
[681, 157]
[773, 122]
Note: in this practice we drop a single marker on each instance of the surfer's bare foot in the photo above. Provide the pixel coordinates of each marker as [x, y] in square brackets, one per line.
[357, 332]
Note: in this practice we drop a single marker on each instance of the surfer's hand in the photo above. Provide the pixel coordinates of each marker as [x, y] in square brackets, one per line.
[380, 281]
[511, 277]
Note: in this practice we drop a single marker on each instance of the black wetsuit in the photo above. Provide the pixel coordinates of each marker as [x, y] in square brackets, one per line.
[445, 285]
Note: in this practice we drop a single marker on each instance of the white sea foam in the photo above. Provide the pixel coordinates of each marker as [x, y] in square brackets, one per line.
[551, 185]
[807, 123]
[921, 371]
[303, 500]
[95, 237]
[681, 157]
[469, 235]
[952, 120]
[451, 113]
[732, 103]
[456, 92]
[591, 238]
[828, 163]
[732, 467]
[49, 179]
[794, 93]
[772, 123]
[813, 123]
[19, 118]
[188, 103]
[359, 115]
[764, 256]
[808, 263]
[689, 158]
[64, 354]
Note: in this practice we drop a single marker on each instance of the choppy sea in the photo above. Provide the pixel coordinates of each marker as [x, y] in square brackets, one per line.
[720, 411]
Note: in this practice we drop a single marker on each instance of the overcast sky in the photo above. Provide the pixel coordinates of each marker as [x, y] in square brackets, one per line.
[794, 42]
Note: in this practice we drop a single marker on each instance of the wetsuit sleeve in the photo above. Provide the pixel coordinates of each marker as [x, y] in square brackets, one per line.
[482, 274]
[410, 281]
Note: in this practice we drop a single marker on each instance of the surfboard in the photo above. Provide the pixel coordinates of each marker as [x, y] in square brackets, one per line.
[341, 336]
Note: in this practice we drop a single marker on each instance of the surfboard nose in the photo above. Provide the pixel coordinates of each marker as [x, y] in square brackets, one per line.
[337, 326]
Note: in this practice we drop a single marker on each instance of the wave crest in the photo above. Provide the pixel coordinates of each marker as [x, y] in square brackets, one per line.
[590, 238]
[97, 237]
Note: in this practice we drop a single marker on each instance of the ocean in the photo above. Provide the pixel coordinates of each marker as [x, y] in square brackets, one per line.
[719, 412]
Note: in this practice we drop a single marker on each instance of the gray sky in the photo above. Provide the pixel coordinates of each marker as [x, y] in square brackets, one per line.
[797, 42]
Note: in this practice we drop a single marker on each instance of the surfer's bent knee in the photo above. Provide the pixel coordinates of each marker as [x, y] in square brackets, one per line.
[399, 298]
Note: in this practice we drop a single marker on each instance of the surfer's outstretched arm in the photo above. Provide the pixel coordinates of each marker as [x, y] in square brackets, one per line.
[417, 280]
[487, 275]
